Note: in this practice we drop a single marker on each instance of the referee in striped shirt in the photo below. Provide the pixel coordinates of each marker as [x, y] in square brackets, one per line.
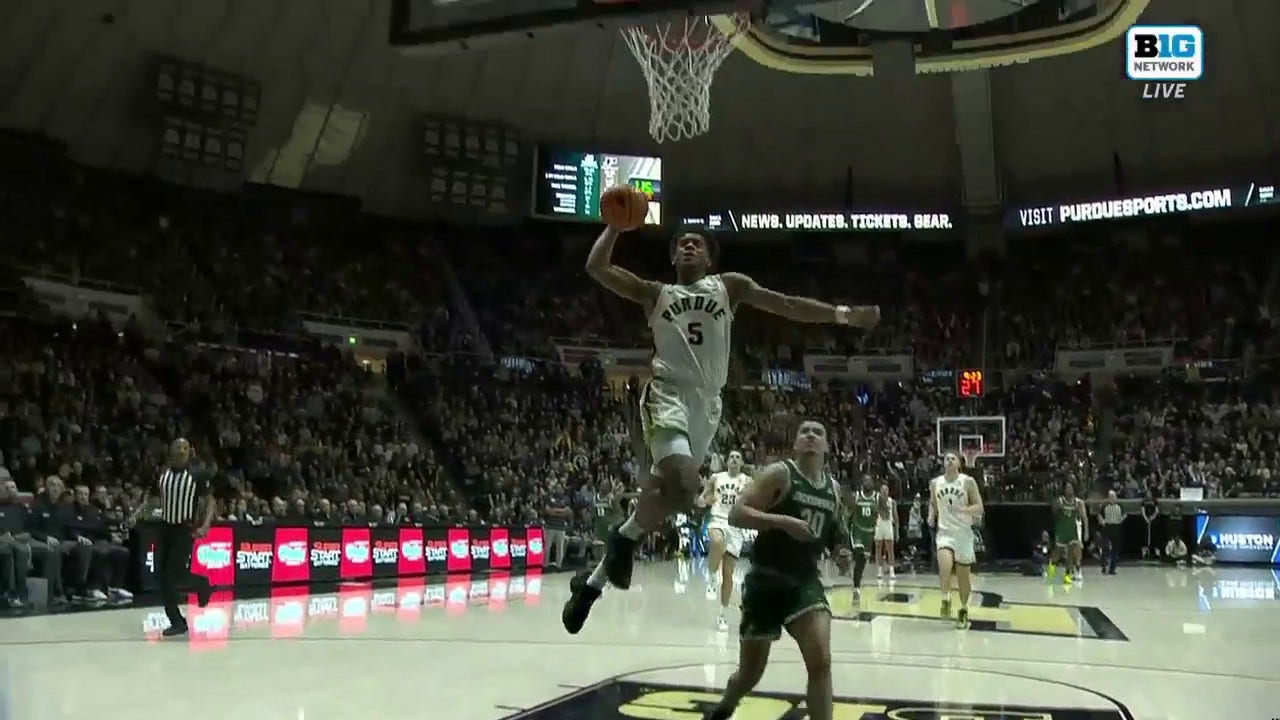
[186, 511]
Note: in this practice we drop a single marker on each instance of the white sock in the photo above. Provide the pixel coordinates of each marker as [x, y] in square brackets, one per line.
[598, 578]
[631, 529]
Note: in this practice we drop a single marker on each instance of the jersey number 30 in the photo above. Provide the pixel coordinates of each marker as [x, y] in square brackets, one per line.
[695, 333]
[815, 519]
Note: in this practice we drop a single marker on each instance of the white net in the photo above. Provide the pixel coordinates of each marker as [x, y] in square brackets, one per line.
[679, 60]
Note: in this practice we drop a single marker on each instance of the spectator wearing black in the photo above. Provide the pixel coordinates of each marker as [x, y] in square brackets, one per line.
[15, 553]
[45, 556]
[323, 512]
[49, 516]
[1150, 512]
[186, 510]
[558, 515]
[110, 563]
[1111, 517]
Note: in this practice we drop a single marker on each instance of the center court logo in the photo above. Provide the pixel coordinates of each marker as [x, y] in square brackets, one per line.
[1164, 58]
[626, 699]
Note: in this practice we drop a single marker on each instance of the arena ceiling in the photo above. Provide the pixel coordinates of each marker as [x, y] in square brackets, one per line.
[82, 72]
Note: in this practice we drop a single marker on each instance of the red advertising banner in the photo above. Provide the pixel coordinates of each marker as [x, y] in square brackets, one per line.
[292, 562]
[237, 555]
[413, 557]
[212, 557]
[357, 556]
[459, 540]
[533, 536]
[499, 548]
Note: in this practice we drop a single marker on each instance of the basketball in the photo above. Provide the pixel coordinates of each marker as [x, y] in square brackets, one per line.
[624, 207]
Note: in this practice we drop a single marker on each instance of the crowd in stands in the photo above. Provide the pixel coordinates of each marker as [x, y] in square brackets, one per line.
[219, 263]
[305, 434]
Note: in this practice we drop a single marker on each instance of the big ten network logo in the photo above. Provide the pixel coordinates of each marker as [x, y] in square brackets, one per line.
[213, 557]
[499, 548]
[292, 562]
[459, 550]
[1164, 58]
[413, 559]
[357, 560]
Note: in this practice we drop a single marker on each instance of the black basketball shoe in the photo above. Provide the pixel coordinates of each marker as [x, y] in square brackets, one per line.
[720, 712]
[576, 609]
[619, 559]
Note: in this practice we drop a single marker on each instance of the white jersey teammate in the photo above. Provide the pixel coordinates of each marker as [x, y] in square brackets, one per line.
[719, 495]
[680, 407]
[955, 505]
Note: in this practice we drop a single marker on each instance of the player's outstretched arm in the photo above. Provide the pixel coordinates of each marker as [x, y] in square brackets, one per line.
[621, 281]
[742, 289]
[751, 511]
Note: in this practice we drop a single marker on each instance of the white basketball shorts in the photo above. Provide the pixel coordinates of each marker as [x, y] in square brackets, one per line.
[668, 412]
[960, 544]
[884, 529]
[733, 536]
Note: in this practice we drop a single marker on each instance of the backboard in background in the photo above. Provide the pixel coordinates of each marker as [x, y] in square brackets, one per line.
[427, 26]
[984, 433]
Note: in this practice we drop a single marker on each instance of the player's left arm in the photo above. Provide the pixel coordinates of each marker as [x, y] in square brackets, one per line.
[743, 289]
[1084, 518]
[974, 508]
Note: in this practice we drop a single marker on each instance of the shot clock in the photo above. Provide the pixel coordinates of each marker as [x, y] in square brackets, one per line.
[970, 383]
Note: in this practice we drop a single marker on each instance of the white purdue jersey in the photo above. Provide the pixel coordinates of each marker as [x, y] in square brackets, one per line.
[691, 326]
[726, 488]
[950, 496]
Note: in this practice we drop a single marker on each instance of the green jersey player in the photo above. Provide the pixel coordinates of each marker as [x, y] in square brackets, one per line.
[795, 506]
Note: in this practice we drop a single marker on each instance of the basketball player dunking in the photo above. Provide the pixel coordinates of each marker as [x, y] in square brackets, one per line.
[955, 505]
[680, 407]
[718, 497]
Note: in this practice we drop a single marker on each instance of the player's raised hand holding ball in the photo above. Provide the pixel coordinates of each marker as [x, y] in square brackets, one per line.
[624, 208]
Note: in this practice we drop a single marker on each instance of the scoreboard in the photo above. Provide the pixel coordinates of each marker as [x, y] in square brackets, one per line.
[970, 383]
[568, 183]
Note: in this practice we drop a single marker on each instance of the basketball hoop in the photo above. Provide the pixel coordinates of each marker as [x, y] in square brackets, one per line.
[970, 456]
[679, 60]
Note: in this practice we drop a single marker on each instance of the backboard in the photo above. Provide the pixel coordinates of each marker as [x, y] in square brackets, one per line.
[985, 434]
[435, 26]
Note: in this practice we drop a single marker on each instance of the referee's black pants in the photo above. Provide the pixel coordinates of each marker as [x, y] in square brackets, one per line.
[173, 569]
[1112, 553]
